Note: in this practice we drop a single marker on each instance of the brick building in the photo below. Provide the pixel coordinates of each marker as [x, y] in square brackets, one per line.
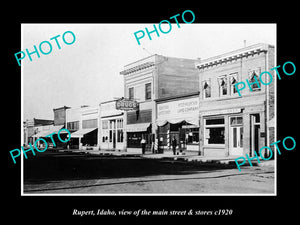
[231, 124]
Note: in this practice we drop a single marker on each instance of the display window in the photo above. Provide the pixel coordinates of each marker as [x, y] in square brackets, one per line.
[214, 131]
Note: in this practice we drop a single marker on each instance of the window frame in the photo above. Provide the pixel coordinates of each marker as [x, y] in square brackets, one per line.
[148, 91]
[205, 89]
[206, 127]
[223, 87]
[131, 93]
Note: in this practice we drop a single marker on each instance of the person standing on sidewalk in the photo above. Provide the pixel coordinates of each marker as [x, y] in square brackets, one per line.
[143, 143]
[174, 144]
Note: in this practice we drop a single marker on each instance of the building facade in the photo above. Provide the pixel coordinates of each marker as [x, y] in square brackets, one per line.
[178, 117]
[33, 128]
[73, 124]
[149, 79]
[84, 122]
[233, 125]
[111, 127]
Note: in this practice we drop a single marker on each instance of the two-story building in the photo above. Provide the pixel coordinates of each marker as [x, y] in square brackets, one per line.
[148, 80]
[233, 125]
[111, 125]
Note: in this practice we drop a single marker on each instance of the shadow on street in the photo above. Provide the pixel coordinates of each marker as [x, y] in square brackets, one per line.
[46, 167]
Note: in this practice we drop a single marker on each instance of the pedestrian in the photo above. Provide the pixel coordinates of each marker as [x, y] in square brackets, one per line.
[174, 144]
[143, 143]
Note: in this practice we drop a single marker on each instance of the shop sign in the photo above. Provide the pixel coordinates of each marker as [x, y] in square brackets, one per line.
[178, 109]
[126, 104]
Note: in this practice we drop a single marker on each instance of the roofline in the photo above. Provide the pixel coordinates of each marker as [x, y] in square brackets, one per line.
[238, 53]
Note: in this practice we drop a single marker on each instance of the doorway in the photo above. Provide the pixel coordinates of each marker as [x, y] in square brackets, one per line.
[236, 135]
[255, 131]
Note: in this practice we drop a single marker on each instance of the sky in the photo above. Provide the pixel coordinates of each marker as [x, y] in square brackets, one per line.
[87, 72]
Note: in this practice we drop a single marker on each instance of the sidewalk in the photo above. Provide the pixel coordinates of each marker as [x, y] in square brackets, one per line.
[191, 157]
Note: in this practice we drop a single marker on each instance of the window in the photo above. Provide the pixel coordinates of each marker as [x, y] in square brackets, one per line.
[233, 79]
[222, 85]
[206, 89]
[72, 126]
[192, 136]
[254, 81]
[237, 120]
[214, 131]
[119, 123]
[120, 136]
[119, 130]
[148, 91]
[131, 93]
[112, 124]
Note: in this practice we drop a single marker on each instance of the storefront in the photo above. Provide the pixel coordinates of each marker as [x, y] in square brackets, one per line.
[135, 133]
[232, 132]
[111, 127]
[139, 126]
[179, 117]
[43, 131]
[84, 127]
[233, 125]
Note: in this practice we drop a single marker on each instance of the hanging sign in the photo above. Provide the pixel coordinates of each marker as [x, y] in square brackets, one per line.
[126, 104]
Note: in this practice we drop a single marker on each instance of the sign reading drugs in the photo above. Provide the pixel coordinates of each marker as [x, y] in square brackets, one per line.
[126, 104]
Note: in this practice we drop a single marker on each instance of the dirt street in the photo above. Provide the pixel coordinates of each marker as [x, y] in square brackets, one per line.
[57, 173]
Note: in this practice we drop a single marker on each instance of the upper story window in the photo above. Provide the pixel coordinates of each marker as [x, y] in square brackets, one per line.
[254, 81]
[206, 86]
[131, 93]
[148, 91]
[233, 79]
[73, 125]
[222, 85]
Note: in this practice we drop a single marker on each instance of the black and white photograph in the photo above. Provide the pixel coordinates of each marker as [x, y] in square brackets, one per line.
[167, 116]
[148, 113]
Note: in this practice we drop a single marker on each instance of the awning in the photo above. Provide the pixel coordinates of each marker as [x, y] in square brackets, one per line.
[81, 132]
[192, 120]
[44, 133]
[138, 127]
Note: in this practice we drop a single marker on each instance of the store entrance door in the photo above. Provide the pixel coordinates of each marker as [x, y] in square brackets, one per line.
[236, 147]
[236, 136]
[255, 130]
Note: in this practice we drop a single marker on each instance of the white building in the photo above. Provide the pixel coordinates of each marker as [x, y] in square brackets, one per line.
[111, 125]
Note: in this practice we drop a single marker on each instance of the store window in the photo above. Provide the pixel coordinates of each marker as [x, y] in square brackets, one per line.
[148, 91]
[206, 89]
[131, 93]
[214, 131]
[192, 136]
